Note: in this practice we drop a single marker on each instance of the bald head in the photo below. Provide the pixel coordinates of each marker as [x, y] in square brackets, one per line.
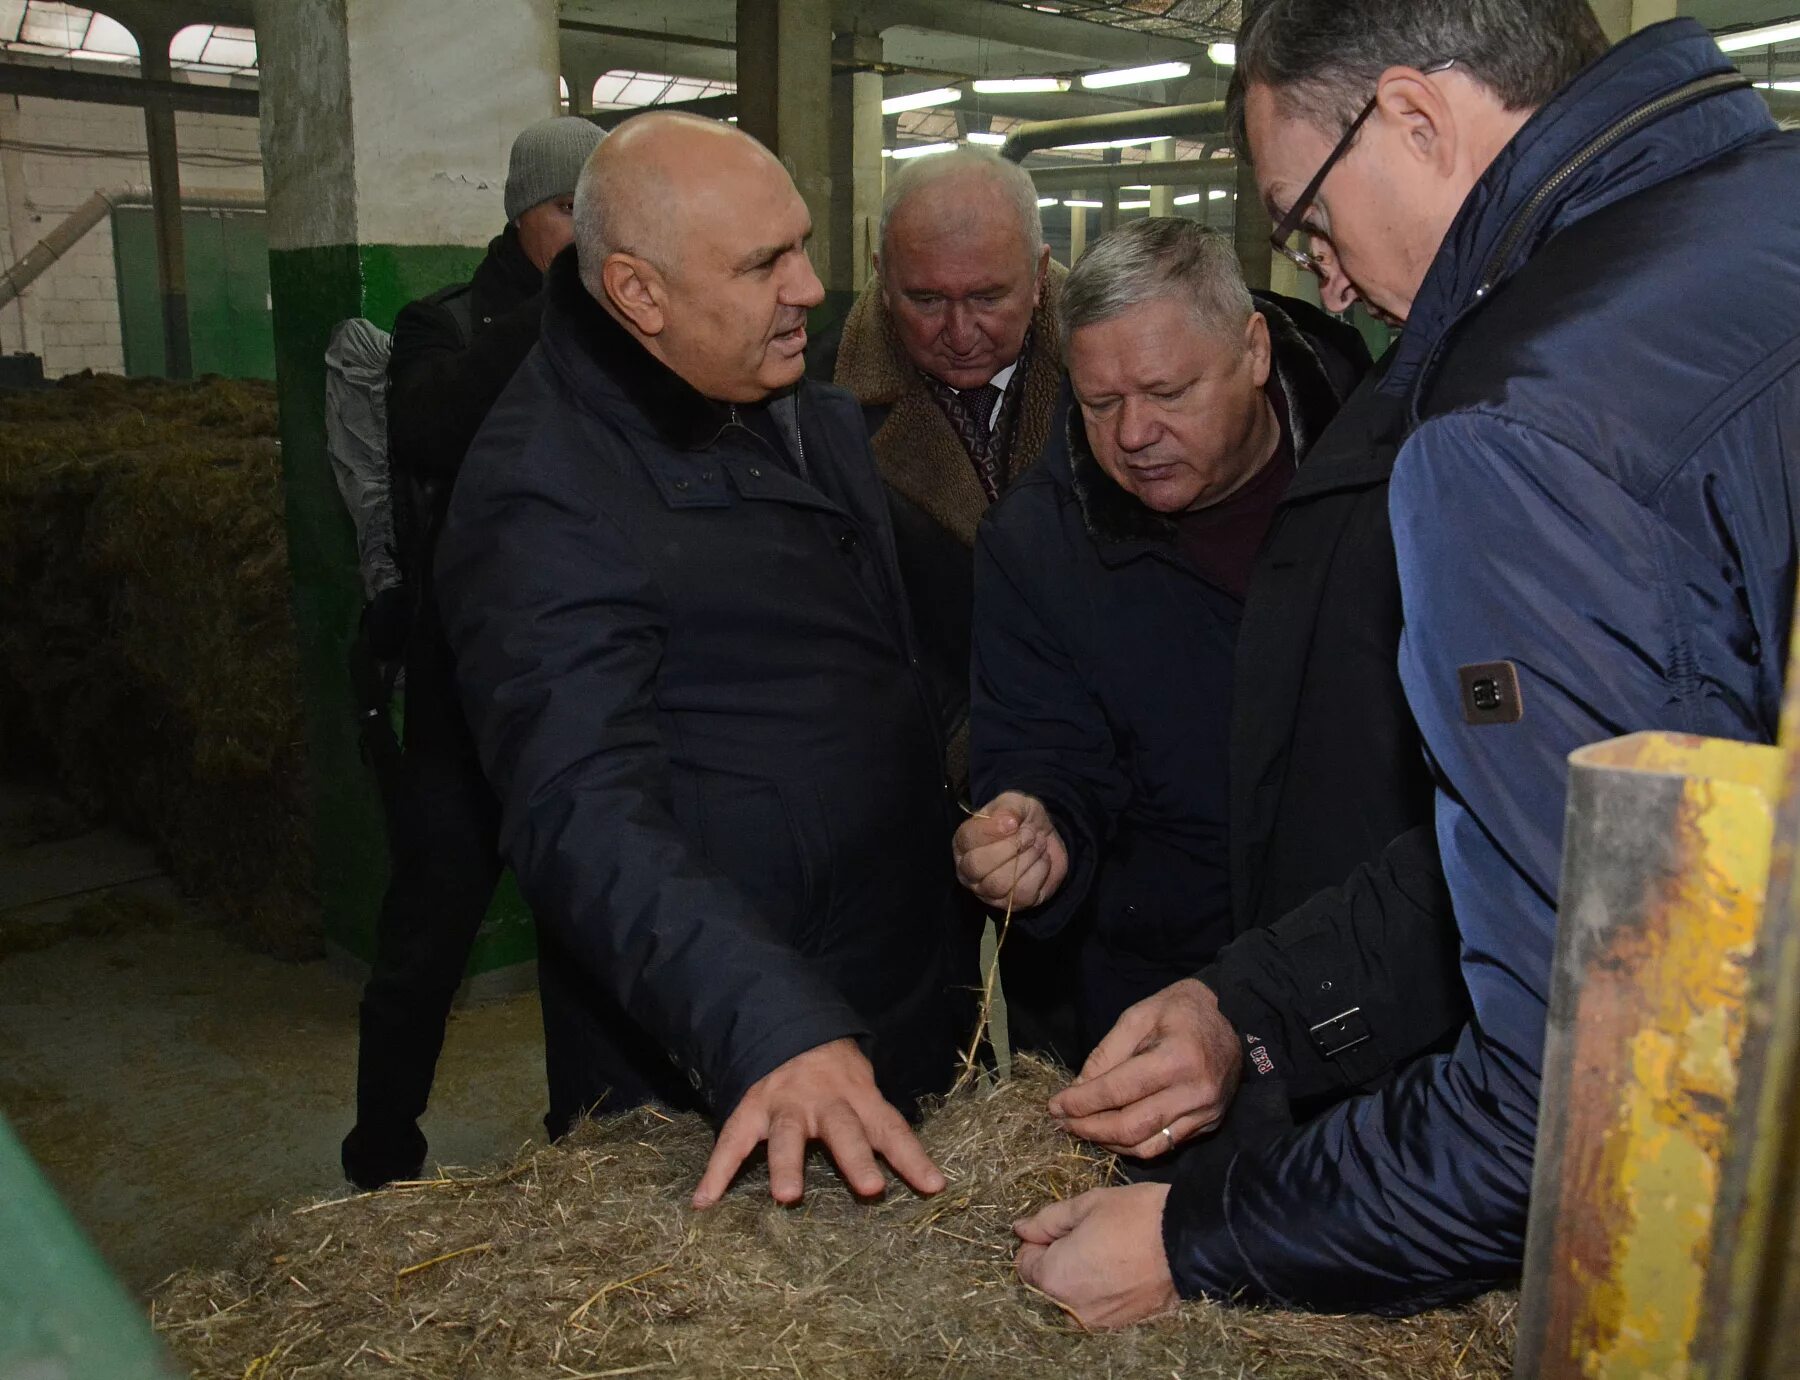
[692, 236]
[659, 173]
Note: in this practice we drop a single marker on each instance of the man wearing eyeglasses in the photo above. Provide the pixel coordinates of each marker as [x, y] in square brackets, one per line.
[1595, 527]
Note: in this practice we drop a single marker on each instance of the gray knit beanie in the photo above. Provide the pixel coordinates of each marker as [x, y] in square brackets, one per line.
[546, 161]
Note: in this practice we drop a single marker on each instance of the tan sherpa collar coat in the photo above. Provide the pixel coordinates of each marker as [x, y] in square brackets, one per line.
[917, 448]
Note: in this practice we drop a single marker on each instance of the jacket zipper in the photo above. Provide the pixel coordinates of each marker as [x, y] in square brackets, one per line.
[1693, 91]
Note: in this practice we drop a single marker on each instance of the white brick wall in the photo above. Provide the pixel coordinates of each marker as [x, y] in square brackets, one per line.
[70, 315]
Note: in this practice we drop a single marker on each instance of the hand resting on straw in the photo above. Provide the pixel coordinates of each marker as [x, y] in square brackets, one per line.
[1101, 1255]
[826, 1094]
[1172, 1061]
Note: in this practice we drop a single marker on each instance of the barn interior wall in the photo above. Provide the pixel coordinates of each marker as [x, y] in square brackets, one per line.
[53, 155]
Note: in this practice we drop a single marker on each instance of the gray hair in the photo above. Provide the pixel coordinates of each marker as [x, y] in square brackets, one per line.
[1325, 57]
[916, 174]
[1150, 260]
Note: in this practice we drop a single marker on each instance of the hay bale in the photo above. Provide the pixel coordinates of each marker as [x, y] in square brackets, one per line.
[147, 651]
[583, 1260]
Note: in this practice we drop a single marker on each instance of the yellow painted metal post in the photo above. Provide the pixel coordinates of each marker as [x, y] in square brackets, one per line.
[1666, 866]
[1752, 1307]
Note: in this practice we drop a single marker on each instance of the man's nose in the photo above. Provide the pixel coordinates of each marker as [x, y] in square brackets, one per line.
[1138, 427]
[1336, 290]
[961, 333]
[804, 289]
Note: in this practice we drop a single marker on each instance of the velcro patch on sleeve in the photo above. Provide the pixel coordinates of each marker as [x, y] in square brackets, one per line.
[1490, 693]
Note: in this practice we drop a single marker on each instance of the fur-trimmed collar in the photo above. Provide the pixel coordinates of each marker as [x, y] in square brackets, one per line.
[587, 345]
[1114, 517]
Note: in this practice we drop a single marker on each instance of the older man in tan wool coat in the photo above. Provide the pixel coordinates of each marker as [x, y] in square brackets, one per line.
[953, 351]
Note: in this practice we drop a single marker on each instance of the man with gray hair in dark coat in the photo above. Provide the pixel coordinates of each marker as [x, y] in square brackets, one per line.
[1108, 588]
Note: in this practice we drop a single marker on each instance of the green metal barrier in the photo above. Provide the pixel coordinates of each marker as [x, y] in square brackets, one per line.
[62, 1314]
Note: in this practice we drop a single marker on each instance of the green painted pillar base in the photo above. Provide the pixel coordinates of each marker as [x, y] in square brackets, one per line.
[313, 290]
[62, 1314]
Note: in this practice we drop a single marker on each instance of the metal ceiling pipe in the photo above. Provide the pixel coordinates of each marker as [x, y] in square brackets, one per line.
[1205, 118]
[1113, 177]
[1017, 27]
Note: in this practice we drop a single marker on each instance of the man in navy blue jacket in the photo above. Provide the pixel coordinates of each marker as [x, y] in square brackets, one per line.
[1594, 519]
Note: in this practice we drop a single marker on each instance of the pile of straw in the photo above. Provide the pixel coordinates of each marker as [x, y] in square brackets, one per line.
[147, 653]
[583, 1260]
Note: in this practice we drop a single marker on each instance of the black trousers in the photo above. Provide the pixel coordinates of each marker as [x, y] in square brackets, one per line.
[444, 825]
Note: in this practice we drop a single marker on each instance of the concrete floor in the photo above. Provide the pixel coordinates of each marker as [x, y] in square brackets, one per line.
[172, 1084]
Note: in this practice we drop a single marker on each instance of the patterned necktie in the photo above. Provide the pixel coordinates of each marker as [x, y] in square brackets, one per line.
[970, 413]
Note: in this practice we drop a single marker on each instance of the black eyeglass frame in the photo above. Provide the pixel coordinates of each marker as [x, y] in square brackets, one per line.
[1302, 204]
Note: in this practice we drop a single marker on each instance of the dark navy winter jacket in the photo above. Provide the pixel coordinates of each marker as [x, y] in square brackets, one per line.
[1603, 372]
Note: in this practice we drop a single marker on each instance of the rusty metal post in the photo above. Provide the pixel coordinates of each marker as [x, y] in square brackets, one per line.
[1665, 870]
[1752, 1306]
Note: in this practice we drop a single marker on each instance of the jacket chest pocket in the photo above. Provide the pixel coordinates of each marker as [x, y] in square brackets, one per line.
[758, 834]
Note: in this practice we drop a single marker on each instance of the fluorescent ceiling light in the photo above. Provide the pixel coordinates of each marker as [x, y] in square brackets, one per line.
[920, 150]
[982, 136]
[1134, 206]
[887, 153]
[1187, 200]
[1044, 201]
[1217, 194]
[1224, 54]
[1118, 143]
[1136, 187]
[919, 100]
[1087, 205]
[1128, 76]
[1766, 37]
[1779, 85]
[1018, 86]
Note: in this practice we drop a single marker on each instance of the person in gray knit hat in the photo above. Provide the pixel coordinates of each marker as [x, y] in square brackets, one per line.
[547, 158]
[453, 355]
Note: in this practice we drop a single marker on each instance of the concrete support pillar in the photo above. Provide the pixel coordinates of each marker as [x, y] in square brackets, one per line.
[784, 84]
[1162, 197]
[386, 126]
[581, 72]
[1077, 229]
[1252, 229]
[165, 201]
[856, 173]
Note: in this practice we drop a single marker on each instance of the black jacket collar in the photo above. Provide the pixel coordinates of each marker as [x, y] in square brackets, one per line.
[1114, 518]
[588, 347]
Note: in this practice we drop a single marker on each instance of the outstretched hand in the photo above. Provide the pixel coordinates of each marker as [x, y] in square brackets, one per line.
[1173, 1061]
[1010, 852]
[827, 1094]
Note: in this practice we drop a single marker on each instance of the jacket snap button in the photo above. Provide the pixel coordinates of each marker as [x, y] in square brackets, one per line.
[846, 542]
[681, 485]
[706, 475]
[755, 473]
[1325, 986]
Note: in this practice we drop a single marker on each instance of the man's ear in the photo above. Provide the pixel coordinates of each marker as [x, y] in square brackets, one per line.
[1258, 348]
[637, 292]
[1415, 106]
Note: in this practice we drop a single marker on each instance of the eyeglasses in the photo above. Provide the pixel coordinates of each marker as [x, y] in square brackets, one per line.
[1290, 223]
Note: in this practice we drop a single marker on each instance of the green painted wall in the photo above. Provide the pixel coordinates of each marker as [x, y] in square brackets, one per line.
[313, 290]
[229, 322]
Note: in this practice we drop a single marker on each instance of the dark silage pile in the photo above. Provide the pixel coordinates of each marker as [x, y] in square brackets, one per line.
[147, 653]
[583, 1260]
